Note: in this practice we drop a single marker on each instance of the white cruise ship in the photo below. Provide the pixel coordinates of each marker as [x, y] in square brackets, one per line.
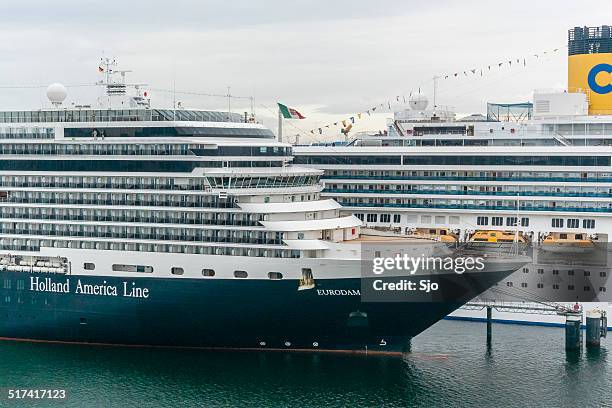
[537, 172]
[131, 225]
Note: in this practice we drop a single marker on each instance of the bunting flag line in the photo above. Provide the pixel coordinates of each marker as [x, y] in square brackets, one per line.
[489, 68]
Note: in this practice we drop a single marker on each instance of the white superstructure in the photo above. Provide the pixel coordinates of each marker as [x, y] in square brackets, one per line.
[543, 169]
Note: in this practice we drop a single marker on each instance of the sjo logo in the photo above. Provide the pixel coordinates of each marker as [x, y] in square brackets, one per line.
[593, 74]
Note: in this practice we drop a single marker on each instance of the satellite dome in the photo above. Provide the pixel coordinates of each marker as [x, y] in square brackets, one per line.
[418, 102]
[56, 93]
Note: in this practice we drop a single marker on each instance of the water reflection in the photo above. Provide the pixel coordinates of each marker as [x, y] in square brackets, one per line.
[450, 362]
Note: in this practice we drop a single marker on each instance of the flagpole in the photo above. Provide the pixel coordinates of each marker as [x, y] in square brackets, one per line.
[280, 125]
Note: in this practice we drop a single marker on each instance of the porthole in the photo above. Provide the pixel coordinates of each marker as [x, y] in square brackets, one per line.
[209, 273]
[240, 274]
[177, 270]
[275, 275]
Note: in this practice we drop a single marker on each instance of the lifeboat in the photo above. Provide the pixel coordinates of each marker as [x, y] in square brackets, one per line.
[567, 242]
[496, 237]
[436, 234]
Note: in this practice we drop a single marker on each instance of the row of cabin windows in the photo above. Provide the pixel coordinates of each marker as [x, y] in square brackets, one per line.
[175, 270]
[20, 300]
[570, 272]
[499, 221]
[555, 286]
[573, 223]
[386, 218]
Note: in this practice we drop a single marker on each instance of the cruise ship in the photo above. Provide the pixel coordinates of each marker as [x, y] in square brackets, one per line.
[540, 170]
[127, 224]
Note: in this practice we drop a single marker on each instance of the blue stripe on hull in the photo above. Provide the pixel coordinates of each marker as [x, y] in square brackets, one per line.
[510, 321]
[237, 313]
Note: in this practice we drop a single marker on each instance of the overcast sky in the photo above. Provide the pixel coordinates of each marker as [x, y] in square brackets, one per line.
[328, 59]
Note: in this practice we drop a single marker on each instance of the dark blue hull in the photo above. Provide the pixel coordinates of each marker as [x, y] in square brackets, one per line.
[215, 313]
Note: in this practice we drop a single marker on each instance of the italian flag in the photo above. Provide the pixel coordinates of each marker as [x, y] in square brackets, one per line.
[290, 113]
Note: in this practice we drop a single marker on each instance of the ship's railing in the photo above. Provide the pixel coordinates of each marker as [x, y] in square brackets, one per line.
[479, 207]
[467, 193]
[589, 179]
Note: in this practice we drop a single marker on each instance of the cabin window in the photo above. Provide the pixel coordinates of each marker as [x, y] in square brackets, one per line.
[132, 268]
[563, 236]
[570, 287]
[482, 220]
[555, 286]
[177, 270]
[590, 224]
[557, 223]
[573, 223]
[240, 274]
[275, 275]
[497, 221]
[540, 285]
[579, 236]
[209, 273]
[88, 266]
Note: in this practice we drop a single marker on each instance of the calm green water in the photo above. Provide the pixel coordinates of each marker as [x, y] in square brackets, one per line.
[449, 366]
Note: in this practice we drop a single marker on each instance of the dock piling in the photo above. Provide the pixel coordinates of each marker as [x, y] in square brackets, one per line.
[573, 335]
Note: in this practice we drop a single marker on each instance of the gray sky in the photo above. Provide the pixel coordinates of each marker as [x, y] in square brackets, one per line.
[328, 59]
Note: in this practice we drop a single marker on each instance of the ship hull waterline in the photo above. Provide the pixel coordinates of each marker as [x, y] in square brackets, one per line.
[229, 314]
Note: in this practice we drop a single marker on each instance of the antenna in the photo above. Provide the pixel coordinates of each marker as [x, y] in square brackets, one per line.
[117, 87]
[435, 90]
[229, 103]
